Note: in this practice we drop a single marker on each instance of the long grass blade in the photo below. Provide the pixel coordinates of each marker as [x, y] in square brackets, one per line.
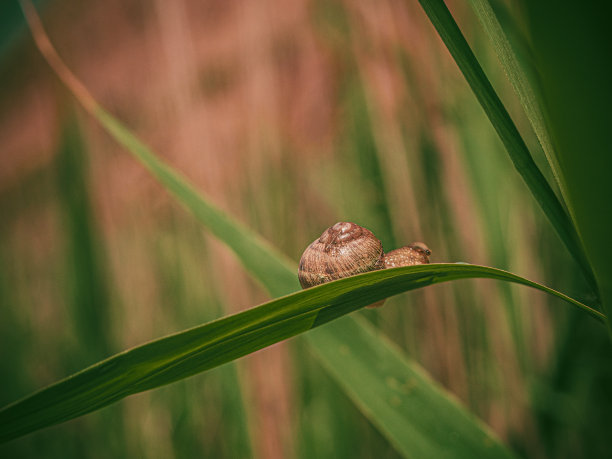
[274, 270]
[518, 79]
[451, 35]
[192, 351]
[86, 282]
[442, 428]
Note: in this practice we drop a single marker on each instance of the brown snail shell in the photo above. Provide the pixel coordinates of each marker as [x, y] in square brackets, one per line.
[346, 249]
[343, 250]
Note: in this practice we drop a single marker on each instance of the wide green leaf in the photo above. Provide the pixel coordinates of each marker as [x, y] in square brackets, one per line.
[420, 418]
[571, 45]
[451, 35]
[192, 351]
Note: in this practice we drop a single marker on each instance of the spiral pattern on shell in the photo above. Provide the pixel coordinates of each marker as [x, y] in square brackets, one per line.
[343, 250]
[346, 249]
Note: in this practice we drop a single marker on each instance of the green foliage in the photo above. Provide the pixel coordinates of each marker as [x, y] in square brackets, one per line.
[572, 47]
[415, 415]
[273, 269]
[442, 428]
[523, 162]
[85, 268]
[12, 25]
[187, 353]
[518, 78]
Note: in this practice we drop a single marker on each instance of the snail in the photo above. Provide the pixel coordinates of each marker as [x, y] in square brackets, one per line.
[346, 249]
[416, 253]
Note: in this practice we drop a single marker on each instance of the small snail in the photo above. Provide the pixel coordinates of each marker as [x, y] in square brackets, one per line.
[416, 253]
[347, 249]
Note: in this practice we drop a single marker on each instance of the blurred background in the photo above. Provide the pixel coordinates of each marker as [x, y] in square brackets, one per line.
[291, 116]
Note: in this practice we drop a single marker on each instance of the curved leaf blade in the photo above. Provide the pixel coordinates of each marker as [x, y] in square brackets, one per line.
[198, 349]
[460, 50]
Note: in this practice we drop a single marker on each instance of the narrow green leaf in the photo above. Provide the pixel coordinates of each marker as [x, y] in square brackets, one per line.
[518, 79]
[421, 419]
[184, 354]
[86, 283]
[273, 269]
[451, 35]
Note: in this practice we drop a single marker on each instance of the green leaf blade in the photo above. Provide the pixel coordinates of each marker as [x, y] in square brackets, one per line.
[275, 271]
[519, 81]
[571, 46]
[201, 348]
[518, 152]
[421, 419]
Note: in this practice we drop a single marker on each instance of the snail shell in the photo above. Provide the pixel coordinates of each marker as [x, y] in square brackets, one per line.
[346, 249]
[416, 253]
[343, 250]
